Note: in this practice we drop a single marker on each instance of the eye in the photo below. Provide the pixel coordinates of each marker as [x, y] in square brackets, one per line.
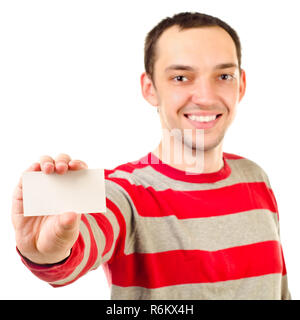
[180, 78]
[226, 76]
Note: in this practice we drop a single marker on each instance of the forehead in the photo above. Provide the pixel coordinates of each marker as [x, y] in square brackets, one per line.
[204, 45]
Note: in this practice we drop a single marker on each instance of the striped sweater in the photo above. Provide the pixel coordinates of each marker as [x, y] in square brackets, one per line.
[171, 235]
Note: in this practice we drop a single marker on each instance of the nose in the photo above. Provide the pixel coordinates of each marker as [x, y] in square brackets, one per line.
[203, 92]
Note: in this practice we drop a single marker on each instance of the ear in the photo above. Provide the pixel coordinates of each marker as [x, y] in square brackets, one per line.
[148, 89]
[242, 88]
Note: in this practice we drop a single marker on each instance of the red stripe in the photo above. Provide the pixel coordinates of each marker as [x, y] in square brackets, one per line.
[104, 225]
[128, 167]
[283, 263]
[154, 270]
[55, 272]
[150, 158]
[273, 199]
[199, 204]
[108, 231]
[92, 254]
[120, 241]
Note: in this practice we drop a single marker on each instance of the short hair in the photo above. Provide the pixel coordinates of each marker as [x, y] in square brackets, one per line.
[184, 20]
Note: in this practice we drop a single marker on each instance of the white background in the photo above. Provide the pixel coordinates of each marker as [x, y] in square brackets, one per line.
[70, 82]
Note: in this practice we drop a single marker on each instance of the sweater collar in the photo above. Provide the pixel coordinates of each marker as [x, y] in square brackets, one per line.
[177, 174]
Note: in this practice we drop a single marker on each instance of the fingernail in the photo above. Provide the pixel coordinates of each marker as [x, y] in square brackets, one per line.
[47, 164]
[77, 162]
[61, 163]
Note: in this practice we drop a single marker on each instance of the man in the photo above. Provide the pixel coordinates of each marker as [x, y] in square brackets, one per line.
[172, 230]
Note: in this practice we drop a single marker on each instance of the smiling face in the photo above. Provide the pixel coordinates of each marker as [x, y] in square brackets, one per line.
[197, 83]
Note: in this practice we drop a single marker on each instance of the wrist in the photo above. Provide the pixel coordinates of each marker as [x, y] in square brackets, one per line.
[44, 263]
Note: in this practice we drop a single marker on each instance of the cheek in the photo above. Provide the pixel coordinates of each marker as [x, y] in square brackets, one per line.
[230, 98]
[174, 100]
[171, 104]
[232, 106]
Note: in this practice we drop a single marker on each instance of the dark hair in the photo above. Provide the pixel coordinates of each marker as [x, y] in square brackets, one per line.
[184, 20]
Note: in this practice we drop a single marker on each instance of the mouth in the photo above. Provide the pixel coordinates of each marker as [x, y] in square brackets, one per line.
[203, 121]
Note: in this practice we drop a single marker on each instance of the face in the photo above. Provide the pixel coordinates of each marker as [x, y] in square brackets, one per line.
[197, 84]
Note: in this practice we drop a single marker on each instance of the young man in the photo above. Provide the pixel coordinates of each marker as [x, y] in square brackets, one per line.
[172, 230]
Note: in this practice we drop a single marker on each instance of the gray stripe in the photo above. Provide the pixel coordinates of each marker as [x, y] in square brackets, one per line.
[99, 238]
[243, 170]
[116, 230]
[267, 287]
[157, 234]
[86, 237]
[213, 233]
[124, 203]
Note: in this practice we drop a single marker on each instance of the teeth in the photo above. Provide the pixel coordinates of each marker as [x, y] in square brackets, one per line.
[201, 118]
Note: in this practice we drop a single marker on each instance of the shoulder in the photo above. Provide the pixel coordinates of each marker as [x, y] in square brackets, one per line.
[246, 165]
[125, 178]
[242, 161]
[124, 171]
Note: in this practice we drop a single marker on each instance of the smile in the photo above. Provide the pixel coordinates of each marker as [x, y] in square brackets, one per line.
[203, 121]
[202, 118]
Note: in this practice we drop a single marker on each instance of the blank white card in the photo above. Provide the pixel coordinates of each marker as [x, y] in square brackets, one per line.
[81, 191]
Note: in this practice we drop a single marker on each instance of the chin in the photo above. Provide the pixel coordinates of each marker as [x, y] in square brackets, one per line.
[208, 145]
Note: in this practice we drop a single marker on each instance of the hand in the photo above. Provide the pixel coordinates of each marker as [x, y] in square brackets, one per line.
[46, 239]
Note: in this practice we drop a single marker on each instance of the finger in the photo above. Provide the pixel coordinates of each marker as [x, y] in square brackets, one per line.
[34, 167]
[18, 193]
[17, 199]
[47, 164]
[61, 163]
[17, 206]
[77, 165]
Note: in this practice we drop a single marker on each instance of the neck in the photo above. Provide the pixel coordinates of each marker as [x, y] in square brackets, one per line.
[191, 160]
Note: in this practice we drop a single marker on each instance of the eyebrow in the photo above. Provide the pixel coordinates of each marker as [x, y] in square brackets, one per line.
[179, 67]
[189, 68]
[226, 66]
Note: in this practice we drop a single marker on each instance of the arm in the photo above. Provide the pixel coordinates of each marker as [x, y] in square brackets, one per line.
[98, 238]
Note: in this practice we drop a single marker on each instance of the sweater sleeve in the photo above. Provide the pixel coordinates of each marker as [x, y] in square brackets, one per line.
[102, 237]
[285, 292]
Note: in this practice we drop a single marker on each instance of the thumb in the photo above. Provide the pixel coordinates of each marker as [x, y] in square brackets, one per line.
[67, 227]
[69, 220]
